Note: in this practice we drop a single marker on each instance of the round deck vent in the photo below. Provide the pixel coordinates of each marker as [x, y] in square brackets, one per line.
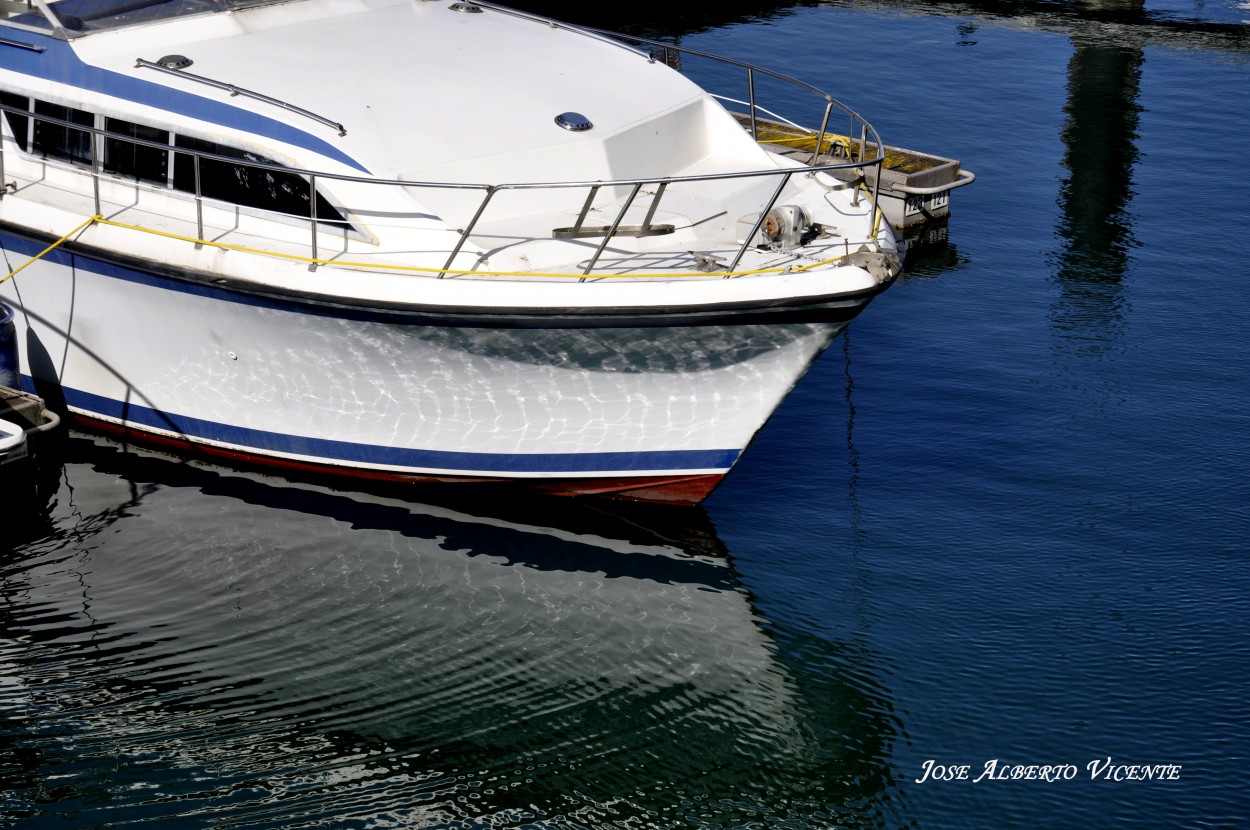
[467, 8]
[175, 62]
[574, 122]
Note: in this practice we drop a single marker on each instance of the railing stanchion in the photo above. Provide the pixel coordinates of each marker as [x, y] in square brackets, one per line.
[312, 212]
[199, 200]
[590, 200]
[876, 193]
[824, 127]
[464, 234]
[755, 133]
[611, 231]
[655, 203]
[95, 169]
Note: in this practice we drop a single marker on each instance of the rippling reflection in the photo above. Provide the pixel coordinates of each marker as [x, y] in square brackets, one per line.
[1096, 231]
[213, 647]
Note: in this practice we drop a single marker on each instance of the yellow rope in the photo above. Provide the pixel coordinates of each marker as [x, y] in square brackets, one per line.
[801, 138]
[877, 212]
[52, 247]
[420, 269]
[97, 219]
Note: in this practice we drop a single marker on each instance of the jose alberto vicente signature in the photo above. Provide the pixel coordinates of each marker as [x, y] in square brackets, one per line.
[1100, 769]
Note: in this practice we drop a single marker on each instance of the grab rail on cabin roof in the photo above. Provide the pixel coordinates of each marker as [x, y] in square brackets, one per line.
[238, 90]
[868, 136]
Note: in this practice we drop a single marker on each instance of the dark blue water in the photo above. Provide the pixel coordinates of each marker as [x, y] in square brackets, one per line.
[1003, 519]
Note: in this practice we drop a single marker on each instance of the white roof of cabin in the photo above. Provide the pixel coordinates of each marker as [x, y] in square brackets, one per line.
[416, 85]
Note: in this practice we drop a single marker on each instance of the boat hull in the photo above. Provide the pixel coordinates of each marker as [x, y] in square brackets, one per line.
[643, 406]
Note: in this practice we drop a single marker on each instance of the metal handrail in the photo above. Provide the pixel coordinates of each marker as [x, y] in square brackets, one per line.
[238, 90]
[17, 44]
[965, 177]
[299, 171]
[490, 190]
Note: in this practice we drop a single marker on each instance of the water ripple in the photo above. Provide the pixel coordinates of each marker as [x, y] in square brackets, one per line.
[383, 664]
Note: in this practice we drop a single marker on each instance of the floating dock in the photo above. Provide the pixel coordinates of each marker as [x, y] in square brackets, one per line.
[915, 193]
[24, 424]
[24, 419]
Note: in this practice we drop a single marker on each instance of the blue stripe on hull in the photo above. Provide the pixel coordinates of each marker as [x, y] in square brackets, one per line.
[346, 452]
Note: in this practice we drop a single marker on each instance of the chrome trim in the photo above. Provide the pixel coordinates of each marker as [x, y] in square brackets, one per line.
[965, 177]
[33, 47]
[574, 122]
[238, 90]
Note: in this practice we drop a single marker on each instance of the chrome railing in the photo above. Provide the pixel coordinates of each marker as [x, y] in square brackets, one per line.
[233, 89]
[867, 138]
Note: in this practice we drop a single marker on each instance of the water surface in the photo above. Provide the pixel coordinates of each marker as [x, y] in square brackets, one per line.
[1003, 518]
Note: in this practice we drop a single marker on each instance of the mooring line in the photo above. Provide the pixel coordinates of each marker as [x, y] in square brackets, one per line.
[51, 248]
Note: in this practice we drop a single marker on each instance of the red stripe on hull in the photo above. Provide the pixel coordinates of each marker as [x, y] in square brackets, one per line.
[673, 489]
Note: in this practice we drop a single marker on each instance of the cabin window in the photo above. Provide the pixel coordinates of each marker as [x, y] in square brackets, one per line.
[247, 186]
[55, 141]
[269, 190]
[136, 161]
[19, 124]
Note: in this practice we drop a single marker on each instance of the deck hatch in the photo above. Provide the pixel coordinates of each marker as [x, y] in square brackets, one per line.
[574, 122]
[175, 62]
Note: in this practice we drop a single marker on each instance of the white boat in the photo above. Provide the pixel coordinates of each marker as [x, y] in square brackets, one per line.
[416, 240]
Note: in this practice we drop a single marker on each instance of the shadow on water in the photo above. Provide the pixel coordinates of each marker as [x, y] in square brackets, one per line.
[1081, 19]
[193, 646]
[1095, 229]
[1105, 18]
[658, 19]
[932, 255]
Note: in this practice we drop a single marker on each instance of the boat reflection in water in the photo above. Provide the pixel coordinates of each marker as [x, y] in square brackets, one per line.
[200, 645]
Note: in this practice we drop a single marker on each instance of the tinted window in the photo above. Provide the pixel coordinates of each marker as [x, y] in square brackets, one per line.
[136, 161]
[248, 186]
[270, 190]
[60, 142]
[19, 124]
